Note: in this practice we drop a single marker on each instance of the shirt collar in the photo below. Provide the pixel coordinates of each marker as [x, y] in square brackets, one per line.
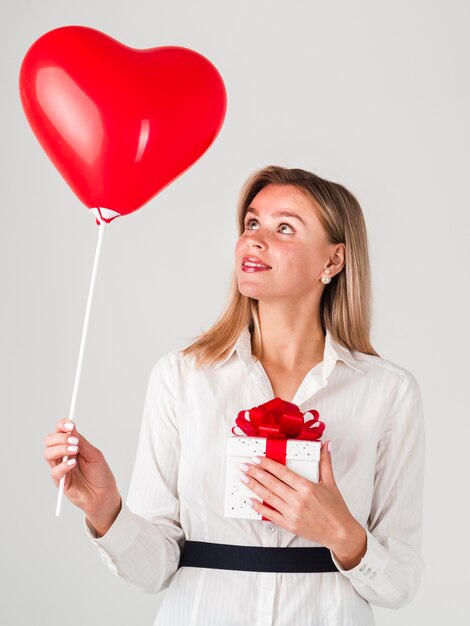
[333, 352]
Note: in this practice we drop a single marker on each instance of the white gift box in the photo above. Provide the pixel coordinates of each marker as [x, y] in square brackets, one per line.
[302, 457]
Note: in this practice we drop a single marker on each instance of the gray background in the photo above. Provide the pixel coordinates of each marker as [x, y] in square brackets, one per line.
[372, 94]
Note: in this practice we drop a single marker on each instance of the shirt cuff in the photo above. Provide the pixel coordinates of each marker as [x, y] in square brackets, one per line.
[372, 563]
[120, 535]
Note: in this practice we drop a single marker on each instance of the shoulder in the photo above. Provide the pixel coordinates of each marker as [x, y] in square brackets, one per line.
[172, 365]
[379, 365]
[388, 374]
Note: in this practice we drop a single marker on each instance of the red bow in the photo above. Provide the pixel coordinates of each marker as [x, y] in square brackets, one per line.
[279, 419]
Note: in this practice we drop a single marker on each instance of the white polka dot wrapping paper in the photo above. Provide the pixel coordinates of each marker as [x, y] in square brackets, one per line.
[302, 457]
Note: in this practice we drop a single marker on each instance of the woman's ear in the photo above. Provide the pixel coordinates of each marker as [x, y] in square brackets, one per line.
[337, 258]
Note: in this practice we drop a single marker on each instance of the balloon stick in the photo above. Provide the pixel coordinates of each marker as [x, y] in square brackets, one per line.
[80, 355]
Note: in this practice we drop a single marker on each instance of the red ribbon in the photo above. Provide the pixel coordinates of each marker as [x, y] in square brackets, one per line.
[278, 421]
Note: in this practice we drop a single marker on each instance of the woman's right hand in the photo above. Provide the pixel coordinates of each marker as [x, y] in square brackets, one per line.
[89, 482]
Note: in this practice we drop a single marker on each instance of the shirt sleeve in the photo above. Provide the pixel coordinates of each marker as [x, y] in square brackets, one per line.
[389, 573]
[143, 544]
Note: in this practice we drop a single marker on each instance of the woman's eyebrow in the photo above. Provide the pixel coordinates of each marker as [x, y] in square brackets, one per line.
[277, 214]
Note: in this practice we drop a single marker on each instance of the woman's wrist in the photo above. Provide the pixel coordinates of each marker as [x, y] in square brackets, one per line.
[102, 520]
[352, 546]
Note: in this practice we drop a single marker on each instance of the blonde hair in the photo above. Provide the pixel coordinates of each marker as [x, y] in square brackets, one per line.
[346, 302]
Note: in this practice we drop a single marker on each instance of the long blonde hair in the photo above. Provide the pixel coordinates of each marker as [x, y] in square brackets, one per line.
[346, 302]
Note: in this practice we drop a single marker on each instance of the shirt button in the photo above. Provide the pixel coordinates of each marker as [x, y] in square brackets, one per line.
[270, 528]
[373, 575]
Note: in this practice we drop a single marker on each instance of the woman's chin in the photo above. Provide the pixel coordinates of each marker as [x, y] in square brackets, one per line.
[255, 292]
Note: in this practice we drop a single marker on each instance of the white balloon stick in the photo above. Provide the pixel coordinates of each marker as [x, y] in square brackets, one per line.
[80, 354]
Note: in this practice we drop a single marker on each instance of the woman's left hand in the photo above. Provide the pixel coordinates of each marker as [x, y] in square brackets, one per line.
[314, 511]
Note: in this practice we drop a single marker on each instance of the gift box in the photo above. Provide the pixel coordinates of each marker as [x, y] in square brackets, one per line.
[277, 430]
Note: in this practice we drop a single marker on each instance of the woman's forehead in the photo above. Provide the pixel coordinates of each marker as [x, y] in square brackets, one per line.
[276, 200]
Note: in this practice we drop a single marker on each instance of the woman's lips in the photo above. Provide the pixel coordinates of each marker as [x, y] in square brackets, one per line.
[249, 269]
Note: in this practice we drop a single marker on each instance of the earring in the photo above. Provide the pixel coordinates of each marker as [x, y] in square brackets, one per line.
[326, 279]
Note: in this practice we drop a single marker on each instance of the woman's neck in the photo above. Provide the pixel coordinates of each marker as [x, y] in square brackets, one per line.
[290, 341]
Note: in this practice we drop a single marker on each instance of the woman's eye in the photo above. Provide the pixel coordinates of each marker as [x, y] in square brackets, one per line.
[248, 222]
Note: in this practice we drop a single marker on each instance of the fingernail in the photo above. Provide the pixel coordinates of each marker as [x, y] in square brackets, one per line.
[256, 460]
[69, 425]
[329, 446]
[244, 467]
[72, 448]
[71, 461]
[73, 440]
[244, 478]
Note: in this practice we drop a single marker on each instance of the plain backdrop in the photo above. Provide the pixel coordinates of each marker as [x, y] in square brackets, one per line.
[371, 94]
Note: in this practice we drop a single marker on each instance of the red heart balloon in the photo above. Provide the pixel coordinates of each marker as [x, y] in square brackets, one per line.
[119, 123]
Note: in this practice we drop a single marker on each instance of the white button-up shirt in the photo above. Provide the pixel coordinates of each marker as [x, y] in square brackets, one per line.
[373, 413]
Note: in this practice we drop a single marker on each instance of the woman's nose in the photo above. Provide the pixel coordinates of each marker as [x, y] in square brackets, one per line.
[255, 240]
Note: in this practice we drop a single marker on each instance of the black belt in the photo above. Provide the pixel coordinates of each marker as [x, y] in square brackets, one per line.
[255, 558]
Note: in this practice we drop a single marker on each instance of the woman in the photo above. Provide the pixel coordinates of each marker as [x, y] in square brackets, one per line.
[297, 327]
